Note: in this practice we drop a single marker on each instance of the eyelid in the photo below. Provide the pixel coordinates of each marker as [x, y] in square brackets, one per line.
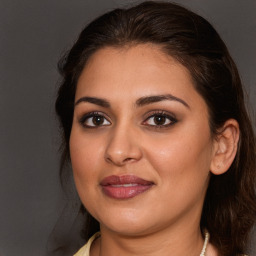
[163, 113]
[159, 112]
[86, 116]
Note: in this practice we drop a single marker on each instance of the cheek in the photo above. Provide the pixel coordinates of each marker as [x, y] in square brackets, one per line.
[183, 157]
[81, 157]
[84, 159]
[85, 151]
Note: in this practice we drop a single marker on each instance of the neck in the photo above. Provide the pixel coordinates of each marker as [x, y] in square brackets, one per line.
[177, 241]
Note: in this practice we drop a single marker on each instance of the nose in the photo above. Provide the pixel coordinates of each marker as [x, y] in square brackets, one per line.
[123, 147]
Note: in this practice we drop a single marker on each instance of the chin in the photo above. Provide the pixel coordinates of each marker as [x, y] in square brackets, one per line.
[126, 224]
[132, 225]
[128, 230]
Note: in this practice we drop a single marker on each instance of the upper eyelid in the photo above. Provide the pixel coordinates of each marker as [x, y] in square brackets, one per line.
[94, 113]
[85, 116]
[160, 112]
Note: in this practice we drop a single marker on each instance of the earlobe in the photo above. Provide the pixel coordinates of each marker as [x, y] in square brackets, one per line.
[225, 147]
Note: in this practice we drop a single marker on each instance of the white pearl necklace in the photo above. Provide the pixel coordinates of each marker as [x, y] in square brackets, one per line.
[206, 239]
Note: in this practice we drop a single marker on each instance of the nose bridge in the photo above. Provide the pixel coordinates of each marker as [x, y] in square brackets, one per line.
[123, 145]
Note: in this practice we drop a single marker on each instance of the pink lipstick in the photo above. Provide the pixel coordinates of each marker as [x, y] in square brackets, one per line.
[124, 187]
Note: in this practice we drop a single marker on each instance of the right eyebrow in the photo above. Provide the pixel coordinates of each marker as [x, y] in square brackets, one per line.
[157, 98]
[98, 101]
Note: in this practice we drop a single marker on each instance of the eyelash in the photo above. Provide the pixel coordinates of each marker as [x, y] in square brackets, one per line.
[162, 114]
[86, 117]
[154, 114]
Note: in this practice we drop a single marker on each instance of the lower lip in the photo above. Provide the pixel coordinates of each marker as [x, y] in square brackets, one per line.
[124, 192]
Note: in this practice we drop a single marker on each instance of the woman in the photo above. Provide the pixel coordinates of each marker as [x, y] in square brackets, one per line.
[161, 146]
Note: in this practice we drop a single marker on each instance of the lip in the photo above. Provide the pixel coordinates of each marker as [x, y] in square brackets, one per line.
[125, 186]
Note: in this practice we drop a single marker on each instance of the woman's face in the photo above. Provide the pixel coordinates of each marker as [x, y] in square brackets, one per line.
[140, 144]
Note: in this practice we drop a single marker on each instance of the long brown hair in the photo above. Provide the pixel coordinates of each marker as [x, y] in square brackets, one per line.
[229, 210]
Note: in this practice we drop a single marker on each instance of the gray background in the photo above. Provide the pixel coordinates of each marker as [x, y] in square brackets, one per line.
[33, 35]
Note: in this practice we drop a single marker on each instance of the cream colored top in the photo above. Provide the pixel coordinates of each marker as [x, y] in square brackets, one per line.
[85, 250]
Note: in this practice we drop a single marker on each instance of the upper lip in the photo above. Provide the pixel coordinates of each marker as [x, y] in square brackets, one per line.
[124, 179]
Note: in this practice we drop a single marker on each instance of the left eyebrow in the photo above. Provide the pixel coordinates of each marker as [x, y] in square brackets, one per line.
[156, 98]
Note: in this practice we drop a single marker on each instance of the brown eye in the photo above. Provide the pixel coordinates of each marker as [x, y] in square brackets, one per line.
[97, 120]
[94, 120]
[160, 120]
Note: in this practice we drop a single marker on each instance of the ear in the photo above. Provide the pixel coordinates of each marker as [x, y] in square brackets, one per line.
[225, 147]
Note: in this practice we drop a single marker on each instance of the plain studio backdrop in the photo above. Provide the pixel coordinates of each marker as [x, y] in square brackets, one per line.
[33, 35]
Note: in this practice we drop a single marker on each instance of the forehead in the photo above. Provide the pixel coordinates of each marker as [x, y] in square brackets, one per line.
[137, 70]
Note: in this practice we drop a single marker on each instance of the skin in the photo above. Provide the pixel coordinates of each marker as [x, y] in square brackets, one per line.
[176, 157]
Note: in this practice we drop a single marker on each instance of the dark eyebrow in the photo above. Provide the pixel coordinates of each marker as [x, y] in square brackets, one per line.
[156, 98]
[101, 102]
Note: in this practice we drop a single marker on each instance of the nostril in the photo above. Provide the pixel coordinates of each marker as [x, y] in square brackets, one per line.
[128, 159]
[108, 159]
[120, 161]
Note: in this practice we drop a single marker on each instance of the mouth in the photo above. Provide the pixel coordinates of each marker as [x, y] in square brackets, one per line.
[124, 187]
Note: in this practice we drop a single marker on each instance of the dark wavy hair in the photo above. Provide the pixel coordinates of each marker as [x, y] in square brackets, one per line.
[229, 210]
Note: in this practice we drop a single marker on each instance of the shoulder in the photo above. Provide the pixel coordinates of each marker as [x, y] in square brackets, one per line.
[85, 250]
